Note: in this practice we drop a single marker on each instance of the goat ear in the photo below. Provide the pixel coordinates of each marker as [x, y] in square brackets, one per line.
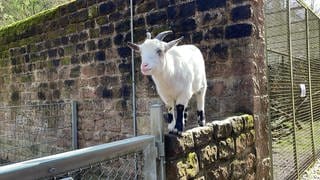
[134, 46]
[173, 43]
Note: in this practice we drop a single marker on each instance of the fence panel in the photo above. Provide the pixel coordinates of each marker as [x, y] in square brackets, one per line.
[133, 158]
[293, 59]
[32, 131]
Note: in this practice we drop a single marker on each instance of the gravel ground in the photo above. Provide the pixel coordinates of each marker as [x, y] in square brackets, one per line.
[312, 173]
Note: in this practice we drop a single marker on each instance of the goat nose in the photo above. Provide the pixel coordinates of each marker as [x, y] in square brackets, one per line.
[144, 65]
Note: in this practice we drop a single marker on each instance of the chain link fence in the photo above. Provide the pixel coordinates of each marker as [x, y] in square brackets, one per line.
[128, 167]
[32, 131]
[292, 37]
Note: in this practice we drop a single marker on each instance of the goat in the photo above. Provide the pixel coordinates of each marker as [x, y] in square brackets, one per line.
[178, 72]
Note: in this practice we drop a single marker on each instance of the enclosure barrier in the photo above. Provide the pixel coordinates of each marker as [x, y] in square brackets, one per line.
[293, 58]
[37, 130]
[140, 157]
[65, 164]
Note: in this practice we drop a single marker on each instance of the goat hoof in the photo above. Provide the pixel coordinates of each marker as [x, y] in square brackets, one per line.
[202, 123]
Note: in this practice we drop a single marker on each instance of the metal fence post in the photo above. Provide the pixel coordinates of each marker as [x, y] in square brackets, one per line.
[157, 130]
[74, 124]
[292, 89]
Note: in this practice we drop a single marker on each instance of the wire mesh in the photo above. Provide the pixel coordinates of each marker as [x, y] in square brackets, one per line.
[32, 131]
[294, 117]
[128, 167]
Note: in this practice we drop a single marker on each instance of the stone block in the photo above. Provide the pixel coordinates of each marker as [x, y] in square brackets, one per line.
[107, 29]
[124, 52]
[177, 145]
[221, 129]
[118, 39]
[214, 33]
[104, 43]
[237, 124]
[157, 17]
[208, 156]
[241, 144]
[238, 169]
[220, 51]
[107, 8]
[202, 135]
[239, 30]
[184, 25]
[241, 13]
[91, 45]
[184, 168]
[123, 26]
[145, 7]
[219, 173]
[251, 137]
[100, 56]
[226, 149]
[75, 72]
[204, 5]
[248, 121]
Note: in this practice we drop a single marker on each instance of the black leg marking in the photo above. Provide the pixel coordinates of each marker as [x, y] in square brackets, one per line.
[170, 118]
[201, 119]
[179, 121]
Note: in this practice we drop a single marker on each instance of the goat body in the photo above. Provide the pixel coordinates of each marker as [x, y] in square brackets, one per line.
[178, 72]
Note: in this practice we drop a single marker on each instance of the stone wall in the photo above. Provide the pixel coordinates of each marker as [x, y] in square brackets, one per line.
[221, 150]
[78, 52]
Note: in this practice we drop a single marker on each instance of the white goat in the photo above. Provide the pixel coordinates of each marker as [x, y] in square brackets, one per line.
[178, 72]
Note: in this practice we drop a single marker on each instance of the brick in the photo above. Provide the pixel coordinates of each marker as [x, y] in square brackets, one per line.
[100, 56]
[239, 30]
[123, 67]
[104, 43]
[221, 51]
[107, 8]
[123, 26]
[184, 25]
[184, 10]
[204, 5]
[238, 169]
[157, 17]
[91, 45]
[75, 72]
[118, 39]
[241, 13]
[185, 168]
[214, 33]
[107, 29]
[124, 52]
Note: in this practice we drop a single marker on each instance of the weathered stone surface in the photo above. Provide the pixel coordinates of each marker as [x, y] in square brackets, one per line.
[237, 124]
[241, 143]
[239, 31]
[176, 145]
[185, 168]
[221, 129]
[248, 121]
[220, 173]
[208, 156]
[202, 135]
[226, 149]
[204, 5]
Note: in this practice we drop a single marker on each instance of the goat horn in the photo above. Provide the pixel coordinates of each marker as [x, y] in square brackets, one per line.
[162, 35]
[148, 35]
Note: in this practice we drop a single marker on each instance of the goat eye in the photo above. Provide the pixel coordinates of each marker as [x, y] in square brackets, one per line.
[159, 52]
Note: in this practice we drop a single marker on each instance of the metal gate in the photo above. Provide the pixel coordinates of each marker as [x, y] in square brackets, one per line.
[292, 41]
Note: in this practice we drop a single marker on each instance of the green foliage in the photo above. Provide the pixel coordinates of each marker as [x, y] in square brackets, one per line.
[15, 10]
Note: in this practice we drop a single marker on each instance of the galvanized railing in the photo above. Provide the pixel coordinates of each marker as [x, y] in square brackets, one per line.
[140, 157]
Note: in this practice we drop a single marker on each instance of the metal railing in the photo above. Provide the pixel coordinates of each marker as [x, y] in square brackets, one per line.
[293, 58]
[37, 130]
[140, 157]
